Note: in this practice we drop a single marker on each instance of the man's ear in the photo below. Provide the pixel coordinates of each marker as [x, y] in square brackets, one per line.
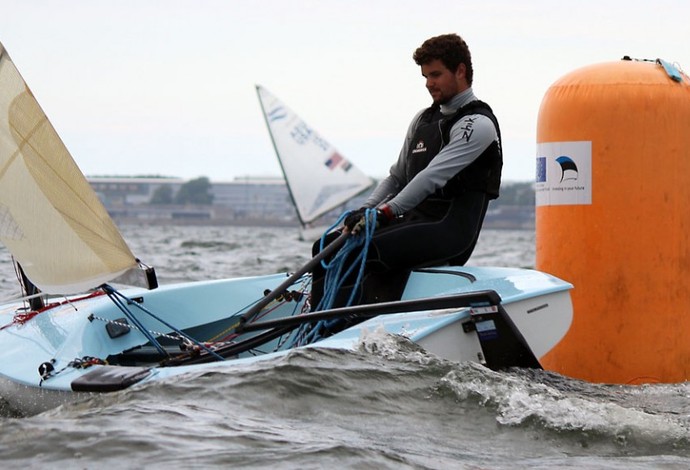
[460, 73]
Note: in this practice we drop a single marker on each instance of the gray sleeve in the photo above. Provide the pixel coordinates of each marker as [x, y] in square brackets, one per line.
[385, 188]
[469, 137]
[393, 183]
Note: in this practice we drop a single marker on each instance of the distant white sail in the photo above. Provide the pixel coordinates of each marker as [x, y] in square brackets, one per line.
[318, 177]
[50, 219]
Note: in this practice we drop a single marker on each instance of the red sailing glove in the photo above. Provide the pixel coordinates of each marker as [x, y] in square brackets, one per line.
[384, 214]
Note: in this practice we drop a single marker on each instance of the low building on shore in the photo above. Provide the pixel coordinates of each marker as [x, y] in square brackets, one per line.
[243, 201]
[259, 201]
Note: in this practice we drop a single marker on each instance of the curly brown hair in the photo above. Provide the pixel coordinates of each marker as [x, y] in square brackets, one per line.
[450, 49]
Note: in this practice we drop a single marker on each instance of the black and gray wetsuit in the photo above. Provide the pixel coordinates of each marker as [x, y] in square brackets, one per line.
[440, 186]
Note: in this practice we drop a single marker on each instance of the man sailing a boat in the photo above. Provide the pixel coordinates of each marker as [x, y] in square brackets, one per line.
[429, 210]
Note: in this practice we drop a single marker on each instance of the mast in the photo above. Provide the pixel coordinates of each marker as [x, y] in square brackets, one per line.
[36, 302]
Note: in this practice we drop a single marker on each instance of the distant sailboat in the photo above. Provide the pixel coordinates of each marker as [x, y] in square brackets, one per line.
[318, 178]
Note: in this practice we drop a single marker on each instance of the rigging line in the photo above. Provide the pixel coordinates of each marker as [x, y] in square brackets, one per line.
[241, 311]
[304, 282]
[156, 317]
[335, 279]
[369, 229]
[322, 240]
[127, 325]
[298, 336]
[228, 334]
[118, 303]
[260, 315]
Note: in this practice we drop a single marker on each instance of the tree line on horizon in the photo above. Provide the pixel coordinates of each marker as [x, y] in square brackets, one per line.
[198, 191]
[195, 191]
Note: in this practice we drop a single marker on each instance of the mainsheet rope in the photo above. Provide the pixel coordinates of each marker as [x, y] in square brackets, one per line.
[335, 277]
[338, 270]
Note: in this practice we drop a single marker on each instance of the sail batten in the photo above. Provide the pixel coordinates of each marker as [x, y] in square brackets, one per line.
[318, 177]
[50, 218]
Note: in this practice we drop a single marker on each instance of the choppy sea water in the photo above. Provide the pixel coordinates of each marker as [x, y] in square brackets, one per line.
[387, 405]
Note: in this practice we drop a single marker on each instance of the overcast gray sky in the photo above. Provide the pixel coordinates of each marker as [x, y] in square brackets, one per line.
[167, 86]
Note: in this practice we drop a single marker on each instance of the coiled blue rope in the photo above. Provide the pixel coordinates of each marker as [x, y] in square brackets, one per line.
[338, 270]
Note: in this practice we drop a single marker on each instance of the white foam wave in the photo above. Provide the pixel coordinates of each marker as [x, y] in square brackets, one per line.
[519, 401]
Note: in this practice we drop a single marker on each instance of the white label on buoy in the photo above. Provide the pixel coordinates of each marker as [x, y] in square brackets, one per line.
[564, 173]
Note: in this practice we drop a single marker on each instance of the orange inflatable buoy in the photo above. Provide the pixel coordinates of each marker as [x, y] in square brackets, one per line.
[613, 218]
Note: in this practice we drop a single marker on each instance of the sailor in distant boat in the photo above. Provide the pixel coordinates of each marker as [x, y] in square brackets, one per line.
[430, 208]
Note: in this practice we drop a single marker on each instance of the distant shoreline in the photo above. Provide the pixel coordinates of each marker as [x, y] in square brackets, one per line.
[493, 223]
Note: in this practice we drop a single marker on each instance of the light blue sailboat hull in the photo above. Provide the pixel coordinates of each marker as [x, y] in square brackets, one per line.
[64, 336]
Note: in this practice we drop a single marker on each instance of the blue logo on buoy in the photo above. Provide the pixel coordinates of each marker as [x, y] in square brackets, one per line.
[541, 169]
[568, 168]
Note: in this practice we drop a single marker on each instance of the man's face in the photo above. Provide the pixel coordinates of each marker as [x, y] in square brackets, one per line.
[442, 83]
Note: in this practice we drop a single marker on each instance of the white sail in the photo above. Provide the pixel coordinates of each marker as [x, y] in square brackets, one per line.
[318, 177]
[50, 218]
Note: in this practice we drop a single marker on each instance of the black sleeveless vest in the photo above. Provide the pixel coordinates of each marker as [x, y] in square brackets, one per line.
[433, 133]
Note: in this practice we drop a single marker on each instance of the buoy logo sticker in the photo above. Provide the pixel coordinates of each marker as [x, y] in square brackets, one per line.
[568, 168]
[564, 173]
